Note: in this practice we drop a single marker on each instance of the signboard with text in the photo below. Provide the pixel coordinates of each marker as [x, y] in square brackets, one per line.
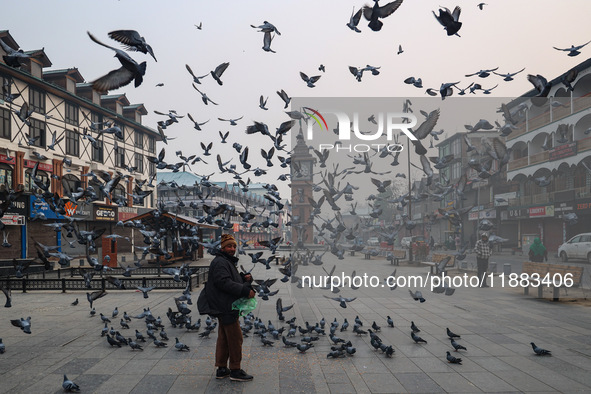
[563, 151]
[126, 213]
[42, 166]
[540, 212]
[105, 213]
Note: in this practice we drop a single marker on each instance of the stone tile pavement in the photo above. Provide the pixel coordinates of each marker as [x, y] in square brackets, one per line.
[496, 325]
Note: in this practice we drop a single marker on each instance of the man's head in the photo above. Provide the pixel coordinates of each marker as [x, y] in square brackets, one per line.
[484, 236]
[228, 244]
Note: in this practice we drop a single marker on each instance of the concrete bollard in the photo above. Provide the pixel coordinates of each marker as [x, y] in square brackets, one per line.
[507, 269]
[492, 267]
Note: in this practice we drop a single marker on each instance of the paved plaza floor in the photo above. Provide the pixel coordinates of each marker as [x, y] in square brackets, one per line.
[496, 326]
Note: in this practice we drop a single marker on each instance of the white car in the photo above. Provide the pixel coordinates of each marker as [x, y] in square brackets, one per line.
[578, 247]
[373, 241]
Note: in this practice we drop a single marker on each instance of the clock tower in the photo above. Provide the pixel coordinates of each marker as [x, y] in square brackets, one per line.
[302, 180]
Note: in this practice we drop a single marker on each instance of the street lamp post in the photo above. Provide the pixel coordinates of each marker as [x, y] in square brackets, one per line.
[406, 109]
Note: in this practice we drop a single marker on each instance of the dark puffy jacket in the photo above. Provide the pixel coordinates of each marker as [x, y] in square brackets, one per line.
[224, 286]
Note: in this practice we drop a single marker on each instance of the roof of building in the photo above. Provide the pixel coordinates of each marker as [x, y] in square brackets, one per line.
[181, 178]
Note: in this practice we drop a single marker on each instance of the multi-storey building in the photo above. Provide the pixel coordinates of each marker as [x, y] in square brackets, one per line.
[184, 193]
[551, 149]
[66, 132]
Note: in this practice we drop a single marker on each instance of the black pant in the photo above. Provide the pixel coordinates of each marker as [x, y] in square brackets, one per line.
[482, 265]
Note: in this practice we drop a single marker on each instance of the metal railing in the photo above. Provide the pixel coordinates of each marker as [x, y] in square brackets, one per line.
[69, 279]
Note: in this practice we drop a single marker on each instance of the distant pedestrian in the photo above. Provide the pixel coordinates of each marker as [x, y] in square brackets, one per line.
[457, 242]
[431, 243]
[483, 252]
[537, 251]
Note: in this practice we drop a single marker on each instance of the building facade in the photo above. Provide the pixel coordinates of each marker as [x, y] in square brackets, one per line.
[551, 157]
[55, 120]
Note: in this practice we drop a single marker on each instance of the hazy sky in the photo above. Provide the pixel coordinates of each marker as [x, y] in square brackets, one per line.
[508, 34]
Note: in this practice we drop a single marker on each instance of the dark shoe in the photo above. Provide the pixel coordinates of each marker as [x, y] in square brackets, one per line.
[240, 376]
[222, 372]
[484, 285]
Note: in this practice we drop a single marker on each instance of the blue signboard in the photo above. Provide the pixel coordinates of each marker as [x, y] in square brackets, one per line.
[38, 207]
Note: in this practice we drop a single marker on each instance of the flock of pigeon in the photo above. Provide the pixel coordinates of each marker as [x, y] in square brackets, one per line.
[333, 230]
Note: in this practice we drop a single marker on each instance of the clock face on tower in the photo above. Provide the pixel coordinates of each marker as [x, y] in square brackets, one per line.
[305, 169]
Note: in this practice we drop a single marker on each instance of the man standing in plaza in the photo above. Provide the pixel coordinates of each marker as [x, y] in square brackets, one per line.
[483, 252]
[224, 286]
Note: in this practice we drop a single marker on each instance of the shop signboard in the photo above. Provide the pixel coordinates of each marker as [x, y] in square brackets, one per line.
[18, 206]
[540, 212]
[10, 219]
[582, 206]
[105, 213]
[39, 209]
[563, 151]
[126, 213]
[42, 166]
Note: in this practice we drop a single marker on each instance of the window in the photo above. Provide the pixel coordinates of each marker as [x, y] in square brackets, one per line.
[37, 130]
[96, 184]
[118, 195]
[139, 162]
[97, 151]
[71, 114]
[72, 182]
[456, 147]
[5, 123]
[119, 157]
[37, 100]
[456, 170]
[72, 143]
[151, 168]
[122, 132]
[6, 175]
[152, 144]
[138, 139]
[97, 121]
[30, 185]
[580, 178]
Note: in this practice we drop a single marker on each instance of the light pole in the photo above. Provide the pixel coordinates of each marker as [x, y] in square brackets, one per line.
[406, 109]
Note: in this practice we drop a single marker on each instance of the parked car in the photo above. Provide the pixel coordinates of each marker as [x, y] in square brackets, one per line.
[578, 247]
[373, 241]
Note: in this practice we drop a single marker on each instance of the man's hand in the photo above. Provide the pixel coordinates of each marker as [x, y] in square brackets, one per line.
[248, 278]
[251, 294]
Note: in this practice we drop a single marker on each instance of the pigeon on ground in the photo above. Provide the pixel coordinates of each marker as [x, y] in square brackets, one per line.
[456, 345]
[417, 338]
[539, 351]
[69, 386]
[180, 346]
[453, 360]
[134, 345]
[451, 334]
[23, 324]
[159, 343]
[413, 327]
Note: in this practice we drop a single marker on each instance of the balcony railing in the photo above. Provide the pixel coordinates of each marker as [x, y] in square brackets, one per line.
[553, 114]
[518, 163]
[538, 157]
